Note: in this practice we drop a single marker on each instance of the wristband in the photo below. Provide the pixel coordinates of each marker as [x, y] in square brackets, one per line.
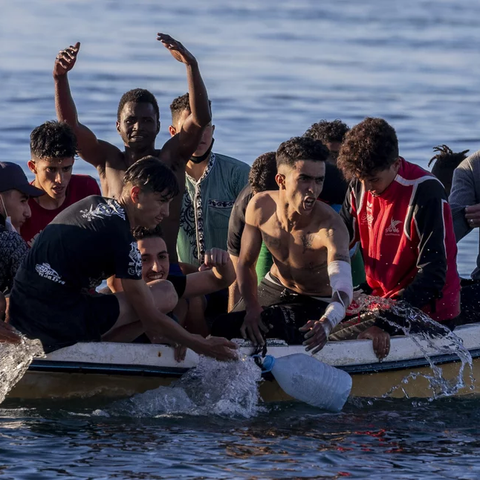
[335, 312]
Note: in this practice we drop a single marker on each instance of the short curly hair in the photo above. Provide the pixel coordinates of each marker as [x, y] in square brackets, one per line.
[139, 233]
[180, 104]
[301, 148]
[53, 140]
[445, 162]
[138, 95]
[328, 132]
[369, 147]
[262, 174]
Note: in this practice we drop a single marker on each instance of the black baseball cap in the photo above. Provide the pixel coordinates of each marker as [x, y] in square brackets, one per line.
[12, 177]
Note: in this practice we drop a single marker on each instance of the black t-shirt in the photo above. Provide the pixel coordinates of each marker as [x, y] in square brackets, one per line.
[335, 186]
[85, 244]
[237, 221]
[179, 283]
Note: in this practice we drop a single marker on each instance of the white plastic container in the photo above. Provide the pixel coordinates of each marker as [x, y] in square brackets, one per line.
[307, 379]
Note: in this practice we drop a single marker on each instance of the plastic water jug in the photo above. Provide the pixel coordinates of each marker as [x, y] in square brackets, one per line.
[307, 379]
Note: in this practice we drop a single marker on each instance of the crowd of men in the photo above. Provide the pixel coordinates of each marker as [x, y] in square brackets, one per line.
[198, 248]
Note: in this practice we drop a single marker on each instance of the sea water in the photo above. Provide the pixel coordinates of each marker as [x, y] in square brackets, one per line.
[15, 358]
[272, 68]
[429, 336]
[226, 389]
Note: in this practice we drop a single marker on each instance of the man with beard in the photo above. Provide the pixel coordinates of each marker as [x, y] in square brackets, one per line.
[309, 284]
[138, 123]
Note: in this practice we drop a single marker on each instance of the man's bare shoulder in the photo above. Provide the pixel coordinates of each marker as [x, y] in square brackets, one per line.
[265, 199]
[114, 157]
[262, 206]
[327, 218]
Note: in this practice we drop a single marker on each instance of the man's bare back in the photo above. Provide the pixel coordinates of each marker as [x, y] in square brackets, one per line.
[138, 125]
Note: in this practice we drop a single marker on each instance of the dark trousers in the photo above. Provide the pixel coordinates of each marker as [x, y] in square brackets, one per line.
[470, 301]
[284, 312]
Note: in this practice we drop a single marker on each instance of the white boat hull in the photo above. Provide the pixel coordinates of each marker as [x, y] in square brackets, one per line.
[119, 370]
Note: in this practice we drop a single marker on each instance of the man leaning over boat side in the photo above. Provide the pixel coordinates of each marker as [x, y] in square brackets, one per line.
[309, 284]
[138, 123]
[91, 241]
[399, 213]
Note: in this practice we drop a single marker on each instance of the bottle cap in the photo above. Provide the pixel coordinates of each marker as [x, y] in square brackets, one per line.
[268, 363]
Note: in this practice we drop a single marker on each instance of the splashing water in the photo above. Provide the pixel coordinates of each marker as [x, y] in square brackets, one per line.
[431, 336]
[15, 359]
[228, 389]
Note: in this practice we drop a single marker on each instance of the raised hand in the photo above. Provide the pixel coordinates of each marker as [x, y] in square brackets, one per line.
[178, 51]
[65, 60]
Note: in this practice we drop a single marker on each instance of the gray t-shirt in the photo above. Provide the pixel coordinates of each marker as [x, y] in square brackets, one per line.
[465, 191]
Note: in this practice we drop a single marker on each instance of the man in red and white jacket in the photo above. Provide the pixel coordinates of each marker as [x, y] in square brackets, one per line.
[400, 215]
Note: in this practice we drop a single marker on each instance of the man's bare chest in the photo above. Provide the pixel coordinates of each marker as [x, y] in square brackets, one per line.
[298, 249]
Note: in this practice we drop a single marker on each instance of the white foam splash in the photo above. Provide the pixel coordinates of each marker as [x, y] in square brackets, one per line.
[450, 344]
[227, 389]
[15, 358]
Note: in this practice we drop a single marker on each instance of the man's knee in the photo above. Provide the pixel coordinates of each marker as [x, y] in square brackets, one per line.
[164, 295]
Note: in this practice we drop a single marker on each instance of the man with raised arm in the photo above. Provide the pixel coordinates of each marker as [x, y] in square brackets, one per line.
[309, 284]
[138, 123]
[89, 241]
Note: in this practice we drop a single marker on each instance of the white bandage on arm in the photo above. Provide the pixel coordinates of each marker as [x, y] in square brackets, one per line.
[340, 274]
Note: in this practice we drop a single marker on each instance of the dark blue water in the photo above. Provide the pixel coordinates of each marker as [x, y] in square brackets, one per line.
[389, 439]
[272, 69]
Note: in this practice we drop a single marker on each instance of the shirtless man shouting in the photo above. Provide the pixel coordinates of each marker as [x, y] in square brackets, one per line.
[138, 123]
[309, 284]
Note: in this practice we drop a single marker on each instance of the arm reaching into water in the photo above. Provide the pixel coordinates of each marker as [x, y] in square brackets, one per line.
[247, 276]
[91, 149]
[340, 274]
[182, 146]
[158, 325]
